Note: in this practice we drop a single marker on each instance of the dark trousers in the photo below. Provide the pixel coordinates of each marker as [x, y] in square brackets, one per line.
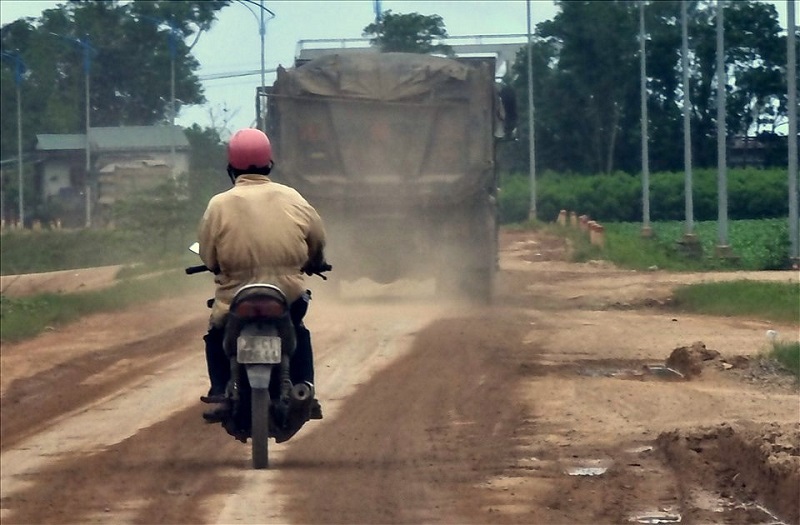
[301, 364]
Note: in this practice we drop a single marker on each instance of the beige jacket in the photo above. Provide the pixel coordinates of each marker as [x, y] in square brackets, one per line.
[258, 231]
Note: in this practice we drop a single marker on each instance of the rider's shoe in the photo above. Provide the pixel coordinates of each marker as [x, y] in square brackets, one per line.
[213, 398]
[218, 414]
[315, 410]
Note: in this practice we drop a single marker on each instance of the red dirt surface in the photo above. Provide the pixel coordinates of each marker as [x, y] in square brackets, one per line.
[537, 409]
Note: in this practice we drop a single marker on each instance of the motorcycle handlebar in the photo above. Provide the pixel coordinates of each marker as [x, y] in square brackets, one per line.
[316, 271]
[196, 269]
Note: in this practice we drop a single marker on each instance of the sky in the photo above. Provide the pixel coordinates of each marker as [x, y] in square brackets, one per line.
[233, 45]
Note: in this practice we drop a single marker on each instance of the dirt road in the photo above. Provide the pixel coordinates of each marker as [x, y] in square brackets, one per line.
[539, 409]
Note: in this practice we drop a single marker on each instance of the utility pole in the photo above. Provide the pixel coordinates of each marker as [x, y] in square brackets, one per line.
[791, 75]
[86, 68]
[647, 230]
[531, 134]
[172, 53]
[87, 64]
[723, 248]
[19, 70]
[262, 31]
[689, 242]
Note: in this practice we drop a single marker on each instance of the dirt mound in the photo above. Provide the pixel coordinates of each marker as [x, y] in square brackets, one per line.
[689, 360]
[737, 463]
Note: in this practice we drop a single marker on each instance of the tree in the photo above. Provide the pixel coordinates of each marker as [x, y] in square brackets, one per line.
[585, 68]
[130, 65]
[409, 33]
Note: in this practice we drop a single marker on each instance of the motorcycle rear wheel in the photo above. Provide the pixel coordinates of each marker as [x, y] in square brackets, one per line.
[259, 433]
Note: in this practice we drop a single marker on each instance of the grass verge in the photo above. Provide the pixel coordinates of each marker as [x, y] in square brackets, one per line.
[772, 301]
[24, 317]
[788, 355]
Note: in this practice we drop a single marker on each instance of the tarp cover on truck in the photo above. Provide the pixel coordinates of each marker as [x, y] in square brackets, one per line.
[392, 77]
[362, 125]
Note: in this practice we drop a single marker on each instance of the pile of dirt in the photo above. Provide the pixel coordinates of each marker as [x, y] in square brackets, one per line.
[689, 360]
[748, 466]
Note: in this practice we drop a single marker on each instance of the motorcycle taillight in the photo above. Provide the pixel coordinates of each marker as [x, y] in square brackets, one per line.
[260, 307]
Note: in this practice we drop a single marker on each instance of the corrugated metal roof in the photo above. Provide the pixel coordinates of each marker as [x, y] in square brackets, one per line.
[60, 142]
[128, 138]
[136, 137]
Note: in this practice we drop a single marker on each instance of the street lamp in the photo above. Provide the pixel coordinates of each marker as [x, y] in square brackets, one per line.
[172, 52]
[262, 30]
[19, 70]
[87, 61]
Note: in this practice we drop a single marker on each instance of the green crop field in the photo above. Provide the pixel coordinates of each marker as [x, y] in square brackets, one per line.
[755, 245]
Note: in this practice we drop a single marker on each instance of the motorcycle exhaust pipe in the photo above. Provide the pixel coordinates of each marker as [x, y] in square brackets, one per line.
[303, 391]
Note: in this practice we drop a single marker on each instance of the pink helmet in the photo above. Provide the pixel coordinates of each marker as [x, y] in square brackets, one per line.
[249, 147]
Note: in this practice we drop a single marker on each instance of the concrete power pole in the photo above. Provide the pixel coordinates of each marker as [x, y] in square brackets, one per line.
[647, 230]
[791, 75]
[531, 134]
[723, 248]
[689, 242]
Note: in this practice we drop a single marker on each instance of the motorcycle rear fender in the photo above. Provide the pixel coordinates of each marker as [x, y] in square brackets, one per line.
[259, 375]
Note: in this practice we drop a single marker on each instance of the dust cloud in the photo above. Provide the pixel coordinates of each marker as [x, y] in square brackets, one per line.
[402, 255]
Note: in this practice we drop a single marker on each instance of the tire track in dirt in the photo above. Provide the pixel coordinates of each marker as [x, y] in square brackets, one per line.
[174, 468]
[161, 474]
[477, 421]
[34, 402]
[410, 445]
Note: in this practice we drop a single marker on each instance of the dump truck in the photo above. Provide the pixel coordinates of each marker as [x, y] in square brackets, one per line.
[397, 153]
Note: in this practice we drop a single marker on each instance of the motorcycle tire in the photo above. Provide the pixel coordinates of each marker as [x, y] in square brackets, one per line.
[259, 433]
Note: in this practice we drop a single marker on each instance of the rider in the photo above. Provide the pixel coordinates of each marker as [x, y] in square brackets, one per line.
[258, 231]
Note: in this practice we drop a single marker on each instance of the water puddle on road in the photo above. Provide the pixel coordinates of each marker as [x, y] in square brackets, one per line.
[588, 467]
[647, 372]
[586, 471]
[657, 517]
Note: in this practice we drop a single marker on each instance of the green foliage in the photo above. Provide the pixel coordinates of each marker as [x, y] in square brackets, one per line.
[772, 301]
[788, 355]
[50, 250]
[586, 84]
[408, 33]
[130, 65]
[162, 216]
[25, 317]
[756, 244]
[617, 197]
[513, 198]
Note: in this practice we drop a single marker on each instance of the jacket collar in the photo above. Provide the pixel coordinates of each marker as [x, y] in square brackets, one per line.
[251, 178]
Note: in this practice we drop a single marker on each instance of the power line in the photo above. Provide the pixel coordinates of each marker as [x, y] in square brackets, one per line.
[234, 74]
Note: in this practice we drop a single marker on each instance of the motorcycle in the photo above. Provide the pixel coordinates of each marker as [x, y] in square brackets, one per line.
[259, 340]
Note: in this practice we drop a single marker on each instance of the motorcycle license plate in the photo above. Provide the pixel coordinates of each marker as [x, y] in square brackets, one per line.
[258, 349]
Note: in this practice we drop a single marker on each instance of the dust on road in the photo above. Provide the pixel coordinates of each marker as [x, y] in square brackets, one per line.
[533, 410]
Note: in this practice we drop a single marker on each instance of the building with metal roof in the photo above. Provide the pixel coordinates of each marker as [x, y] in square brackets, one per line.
[122, 159]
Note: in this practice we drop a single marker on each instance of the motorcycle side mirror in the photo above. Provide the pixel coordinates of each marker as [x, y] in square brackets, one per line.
[195, 248]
